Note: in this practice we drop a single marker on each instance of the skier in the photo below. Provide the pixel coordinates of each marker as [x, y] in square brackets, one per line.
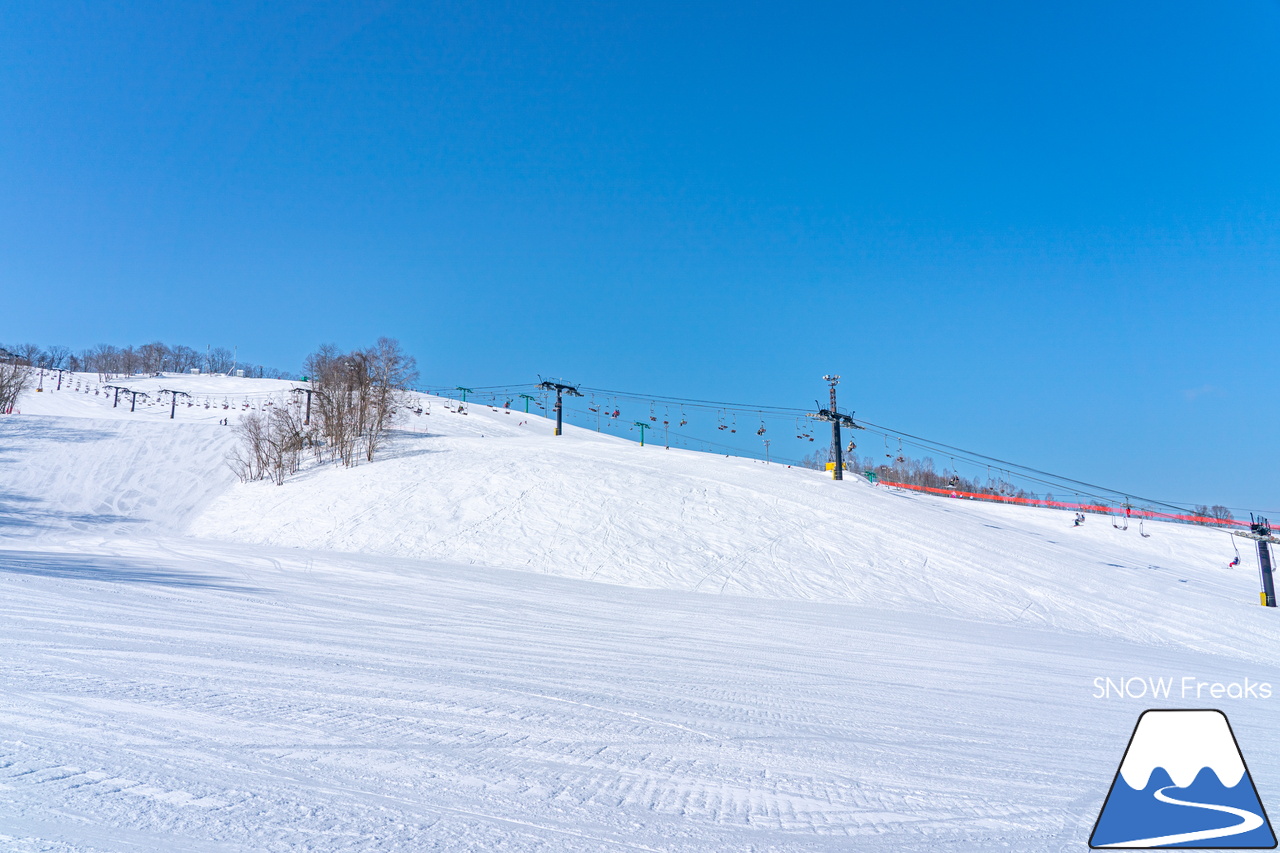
[1234, 562]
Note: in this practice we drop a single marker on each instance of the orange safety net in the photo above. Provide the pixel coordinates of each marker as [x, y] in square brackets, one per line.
[1109, 510]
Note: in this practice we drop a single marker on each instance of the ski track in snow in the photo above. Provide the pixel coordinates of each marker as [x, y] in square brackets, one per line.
[409, 655]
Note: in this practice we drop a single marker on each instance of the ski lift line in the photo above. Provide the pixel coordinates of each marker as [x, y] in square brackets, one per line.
[733, 450]
[689, 401]
[1101, 493]
[1025, 472]
[773, 415]
[1096, 492]
[1056, 479]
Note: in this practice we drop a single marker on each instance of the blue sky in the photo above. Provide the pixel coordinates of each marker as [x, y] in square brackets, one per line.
[1046, 234]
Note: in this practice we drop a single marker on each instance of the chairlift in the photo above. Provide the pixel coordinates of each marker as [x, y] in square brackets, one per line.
[722, 425]
[1127, 508]
[683, 420]
[734, 428]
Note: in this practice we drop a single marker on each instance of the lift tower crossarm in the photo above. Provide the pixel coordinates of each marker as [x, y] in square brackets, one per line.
[561, 388]
[173, 408]
[134, 395]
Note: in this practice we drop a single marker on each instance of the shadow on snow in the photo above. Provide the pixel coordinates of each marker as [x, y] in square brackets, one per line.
[108, 570]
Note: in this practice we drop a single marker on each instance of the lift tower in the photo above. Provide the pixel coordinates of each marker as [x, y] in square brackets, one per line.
[173, 408]
[308, 391]
[837, 420]
[1260, 532]
[560, 388]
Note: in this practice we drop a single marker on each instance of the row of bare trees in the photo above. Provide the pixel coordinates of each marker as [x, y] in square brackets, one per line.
[356, 397]
[110, 361]
[1218, 512]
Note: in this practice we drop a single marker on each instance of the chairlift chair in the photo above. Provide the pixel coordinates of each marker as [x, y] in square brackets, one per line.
[1126, 518]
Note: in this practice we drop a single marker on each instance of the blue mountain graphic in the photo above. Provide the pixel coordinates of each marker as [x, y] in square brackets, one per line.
[1131, 814]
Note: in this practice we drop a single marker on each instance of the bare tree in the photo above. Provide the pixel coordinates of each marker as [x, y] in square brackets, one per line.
[152, 356]
[183, 358]
[248, 458]
[220, 360]
[57, 357]
[391, 371]
[358, 395]
[100, 359]
[29, 353]
[287, 436]
[128, 361]
[270, 445]
[15, 378]
[1217, 512]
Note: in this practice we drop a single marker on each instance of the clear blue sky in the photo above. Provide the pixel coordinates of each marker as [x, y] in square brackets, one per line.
[1044, 233]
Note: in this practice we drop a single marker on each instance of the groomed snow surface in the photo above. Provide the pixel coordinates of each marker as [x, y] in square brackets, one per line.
[496, 639]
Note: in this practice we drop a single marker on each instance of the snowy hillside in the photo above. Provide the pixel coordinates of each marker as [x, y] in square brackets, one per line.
[692, 652]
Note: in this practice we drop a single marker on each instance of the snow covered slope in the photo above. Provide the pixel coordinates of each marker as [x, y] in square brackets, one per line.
[495, 488]
[774, 661]
[71, 460]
